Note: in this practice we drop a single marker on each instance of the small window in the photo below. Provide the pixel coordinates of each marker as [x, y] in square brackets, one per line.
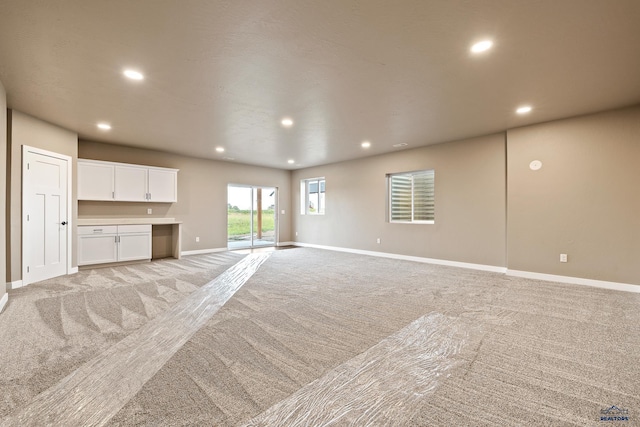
[412, 197]
[312, 196]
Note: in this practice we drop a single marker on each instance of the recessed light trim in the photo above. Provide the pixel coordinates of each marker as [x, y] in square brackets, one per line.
[220, 149]
[291, 161]
[365, 144]
[133, 74]
[287, 122]
[481, 46]
[524, 109]
[402, 144]
[104, 126]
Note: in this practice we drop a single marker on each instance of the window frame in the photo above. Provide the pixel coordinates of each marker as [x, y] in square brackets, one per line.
[411, 174]
[305, 186]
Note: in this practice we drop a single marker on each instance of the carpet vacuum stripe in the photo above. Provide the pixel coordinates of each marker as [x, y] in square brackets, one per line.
[385, 385]
[96, 391]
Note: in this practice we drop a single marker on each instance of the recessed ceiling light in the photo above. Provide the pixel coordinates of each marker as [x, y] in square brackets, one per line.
[287, 122]
[291, 161]
[482, 46]
[365, 144]
[104, 126]
[133, 74]
[220, 149]
[524, 109]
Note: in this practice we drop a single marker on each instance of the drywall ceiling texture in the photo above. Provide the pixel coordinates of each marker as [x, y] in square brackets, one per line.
[225, 73]
[202, 193]
[582, 202]
[469, 203]
[27, 130]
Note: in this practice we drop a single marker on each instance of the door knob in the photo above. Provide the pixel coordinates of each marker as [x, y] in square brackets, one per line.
[64, 223]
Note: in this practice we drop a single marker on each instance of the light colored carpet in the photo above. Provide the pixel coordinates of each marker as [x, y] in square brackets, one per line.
[327, 327]
[51, 328]
[543, 354]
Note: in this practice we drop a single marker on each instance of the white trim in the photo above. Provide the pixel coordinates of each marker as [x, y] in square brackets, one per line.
[14, 285]
[627, 287]
[73, 270]
[483, 267]
[3, 301]
[104, 162]
[286, 244]
[203, 251]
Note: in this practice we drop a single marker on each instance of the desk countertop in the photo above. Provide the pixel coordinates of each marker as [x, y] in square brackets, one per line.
[126, 221]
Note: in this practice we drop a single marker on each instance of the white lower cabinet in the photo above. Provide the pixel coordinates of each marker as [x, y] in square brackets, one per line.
[113, 243]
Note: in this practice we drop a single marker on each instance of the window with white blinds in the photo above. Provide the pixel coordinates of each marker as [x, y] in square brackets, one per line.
[412, 197]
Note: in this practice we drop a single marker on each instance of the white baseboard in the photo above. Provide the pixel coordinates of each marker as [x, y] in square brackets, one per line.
[483, 267]
[203, 251]
[3, 301]
[73, 270]
[575, 281]
[14, 285]
[286, 244]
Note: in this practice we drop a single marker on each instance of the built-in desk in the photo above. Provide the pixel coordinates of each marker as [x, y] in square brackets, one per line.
[158, 225]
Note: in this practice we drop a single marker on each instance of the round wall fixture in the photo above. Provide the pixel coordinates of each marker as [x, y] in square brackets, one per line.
[535, 165]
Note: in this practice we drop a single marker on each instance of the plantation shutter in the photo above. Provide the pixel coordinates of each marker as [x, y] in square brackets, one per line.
[412, 196]
[400, 197]
[423, 196]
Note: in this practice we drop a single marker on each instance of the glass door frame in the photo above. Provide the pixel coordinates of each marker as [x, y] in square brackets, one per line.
[252, 213]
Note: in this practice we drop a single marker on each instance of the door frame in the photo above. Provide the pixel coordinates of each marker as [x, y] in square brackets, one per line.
[69, 160]
[276, 217]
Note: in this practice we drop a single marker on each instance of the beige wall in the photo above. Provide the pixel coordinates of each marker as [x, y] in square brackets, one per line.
[27, 130]
[584, 201]
[202, 193]
[3, 188]
[470, 203]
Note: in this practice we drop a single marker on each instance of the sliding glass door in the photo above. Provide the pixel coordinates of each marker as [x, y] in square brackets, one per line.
[251, 216]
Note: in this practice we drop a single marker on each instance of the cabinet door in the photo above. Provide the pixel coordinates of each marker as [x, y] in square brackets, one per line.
[97, 249]
[134, 246]
[95, 181]
[163, 185]
[130, 183]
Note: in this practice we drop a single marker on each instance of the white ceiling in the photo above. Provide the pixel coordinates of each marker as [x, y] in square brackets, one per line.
[224, 73]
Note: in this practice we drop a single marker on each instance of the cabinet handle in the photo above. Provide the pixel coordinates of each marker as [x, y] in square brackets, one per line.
[97, 230]
[113, 194]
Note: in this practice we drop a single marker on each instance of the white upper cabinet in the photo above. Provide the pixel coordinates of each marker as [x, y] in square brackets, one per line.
[95, 181]
[163, 185]
[98, 180]
[131, 183]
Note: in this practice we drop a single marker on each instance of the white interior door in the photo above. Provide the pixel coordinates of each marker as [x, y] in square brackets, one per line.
[45, 212]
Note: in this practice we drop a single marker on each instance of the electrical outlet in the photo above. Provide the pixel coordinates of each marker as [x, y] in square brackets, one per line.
[563, 258]
[149, 211]
[282, 211]
[378, 240]
[197, 239]
[296, 234]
